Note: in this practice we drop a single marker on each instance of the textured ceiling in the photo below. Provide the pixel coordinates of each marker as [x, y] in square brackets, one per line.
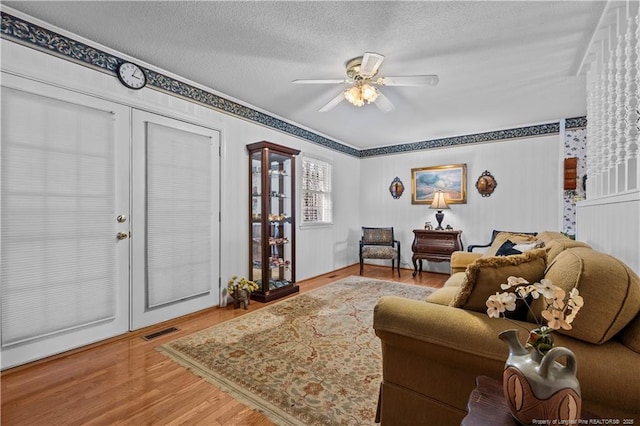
[501, 64]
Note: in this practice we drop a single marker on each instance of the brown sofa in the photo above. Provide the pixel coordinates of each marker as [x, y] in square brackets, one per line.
[432, 352]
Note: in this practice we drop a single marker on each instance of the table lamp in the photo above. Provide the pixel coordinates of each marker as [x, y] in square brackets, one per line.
[439, 203]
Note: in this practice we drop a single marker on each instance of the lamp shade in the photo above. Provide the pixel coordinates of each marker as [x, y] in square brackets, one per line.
[439, 201]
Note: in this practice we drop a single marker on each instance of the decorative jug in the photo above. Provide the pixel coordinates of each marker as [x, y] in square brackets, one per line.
[537, 387]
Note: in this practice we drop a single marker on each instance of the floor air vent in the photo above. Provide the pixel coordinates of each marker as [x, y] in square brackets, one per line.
[159, 333]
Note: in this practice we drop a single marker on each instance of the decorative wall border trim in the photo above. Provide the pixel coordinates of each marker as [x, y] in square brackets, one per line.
[517, 133]
[49, 41]
[576, 123]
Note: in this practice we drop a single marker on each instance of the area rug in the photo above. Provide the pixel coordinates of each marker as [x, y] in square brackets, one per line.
[313, 359]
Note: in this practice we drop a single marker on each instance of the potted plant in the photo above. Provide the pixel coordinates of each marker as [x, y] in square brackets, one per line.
[240, 289]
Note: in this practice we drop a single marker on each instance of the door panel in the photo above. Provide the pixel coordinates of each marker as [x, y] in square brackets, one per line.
[64, 179]
[175, 262]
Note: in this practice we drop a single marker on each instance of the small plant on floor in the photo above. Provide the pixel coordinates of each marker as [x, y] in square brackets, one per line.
[240, 290]
[558, 313]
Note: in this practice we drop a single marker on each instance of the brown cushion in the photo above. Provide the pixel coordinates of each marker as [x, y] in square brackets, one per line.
[547, 236]
[555, 247]
[455, 280]
[555, 242]
[610, 290]
[484, 276]
[442, 296]
[461, 259]
[502, 237]
[630, 336]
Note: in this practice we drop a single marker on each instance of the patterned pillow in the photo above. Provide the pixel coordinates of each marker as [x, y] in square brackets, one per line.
[484, 276]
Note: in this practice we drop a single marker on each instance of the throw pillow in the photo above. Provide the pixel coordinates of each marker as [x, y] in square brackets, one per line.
[507, 249]
[502, 237]
[484, 276]
[528, 246]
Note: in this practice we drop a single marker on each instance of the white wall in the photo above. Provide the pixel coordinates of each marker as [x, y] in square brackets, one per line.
[318, 250]
[528, 196]
[612, 225]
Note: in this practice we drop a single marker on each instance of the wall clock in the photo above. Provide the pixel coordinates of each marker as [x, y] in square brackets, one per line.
[132, 76]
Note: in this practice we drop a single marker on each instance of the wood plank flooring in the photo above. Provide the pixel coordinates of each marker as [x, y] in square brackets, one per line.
[126, 381]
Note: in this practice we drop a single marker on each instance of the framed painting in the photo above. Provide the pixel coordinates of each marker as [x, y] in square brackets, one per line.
[450, 179]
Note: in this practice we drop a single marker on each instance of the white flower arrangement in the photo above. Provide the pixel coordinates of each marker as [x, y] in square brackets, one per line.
[558, 313]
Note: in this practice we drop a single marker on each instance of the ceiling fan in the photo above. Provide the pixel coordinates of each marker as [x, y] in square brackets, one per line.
[361, 73]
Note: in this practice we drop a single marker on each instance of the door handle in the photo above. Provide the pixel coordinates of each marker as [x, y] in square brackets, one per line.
[122, 235]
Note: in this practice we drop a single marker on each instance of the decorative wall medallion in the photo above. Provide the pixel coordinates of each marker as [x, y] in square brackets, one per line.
[397, 188]
[486, 184]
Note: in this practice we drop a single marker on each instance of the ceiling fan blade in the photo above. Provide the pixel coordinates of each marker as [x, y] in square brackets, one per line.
[410, 80]
[326, 81]
[370, 63]
[384, 103]
[333, 102]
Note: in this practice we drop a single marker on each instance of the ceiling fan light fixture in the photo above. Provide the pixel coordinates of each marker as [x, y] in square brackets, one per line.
[361, 73]
[361, 93]
[354, 96]
[369, 93]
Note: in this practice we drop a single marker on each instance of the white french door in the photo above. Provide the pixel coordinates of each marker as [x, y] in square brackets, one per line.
[108, 219]
[175, 259]
[64, 181]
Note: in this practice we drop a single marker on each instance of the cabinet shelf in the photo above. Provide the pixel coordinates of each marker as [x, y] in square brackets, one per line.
[272, 241]
[272, 220]
[272, 196]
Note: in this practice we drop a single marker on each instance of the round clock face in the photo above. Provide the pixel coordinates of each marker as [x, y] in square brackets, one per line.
[131, 76]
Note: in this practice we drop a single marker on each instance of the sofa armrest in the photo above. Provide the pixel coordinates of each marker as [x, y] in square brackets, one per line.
[431, 355]
[461, 259]
[465, 331]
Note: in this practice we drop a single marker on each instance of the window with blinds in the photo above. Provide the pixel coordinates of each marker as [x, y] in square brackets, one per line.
[316, 192]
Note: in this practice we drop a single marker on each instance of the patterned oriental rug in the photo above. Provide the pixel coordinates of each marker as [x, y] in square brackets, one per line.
[313, 359]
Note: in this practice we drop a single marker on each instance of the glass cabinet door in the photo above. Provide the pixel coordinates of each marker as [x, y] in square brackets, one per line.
[256, 217]
[272, 225]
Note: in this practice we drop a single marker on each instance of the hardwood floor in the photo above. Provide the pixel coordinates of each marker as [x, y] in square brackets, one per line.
[126, 381]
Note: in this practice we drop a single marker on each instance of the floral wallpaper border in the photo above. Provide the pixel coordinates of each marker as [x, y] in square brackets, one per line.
[575, 145]
[35, 36]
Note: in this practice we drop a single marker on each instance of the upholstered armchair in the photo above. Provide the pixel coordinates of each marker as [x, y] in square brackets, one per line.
[379, 243]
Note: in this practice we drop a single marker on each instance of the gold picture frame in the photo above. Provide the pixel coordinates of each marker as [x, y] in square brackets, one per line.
[451, 179]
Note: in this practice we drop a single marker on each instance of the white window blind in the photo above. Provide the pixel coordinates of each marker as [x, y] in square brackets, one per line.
[316, 192]
[179, 215]
[57, 249]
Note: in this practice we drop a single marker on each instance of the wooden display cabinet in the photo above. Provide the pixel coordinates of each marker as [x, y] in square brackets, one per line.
[272, 218]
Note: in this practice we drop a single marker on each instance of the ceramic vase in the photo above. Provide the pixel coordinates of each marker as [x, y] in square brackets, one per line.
[538, 387]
